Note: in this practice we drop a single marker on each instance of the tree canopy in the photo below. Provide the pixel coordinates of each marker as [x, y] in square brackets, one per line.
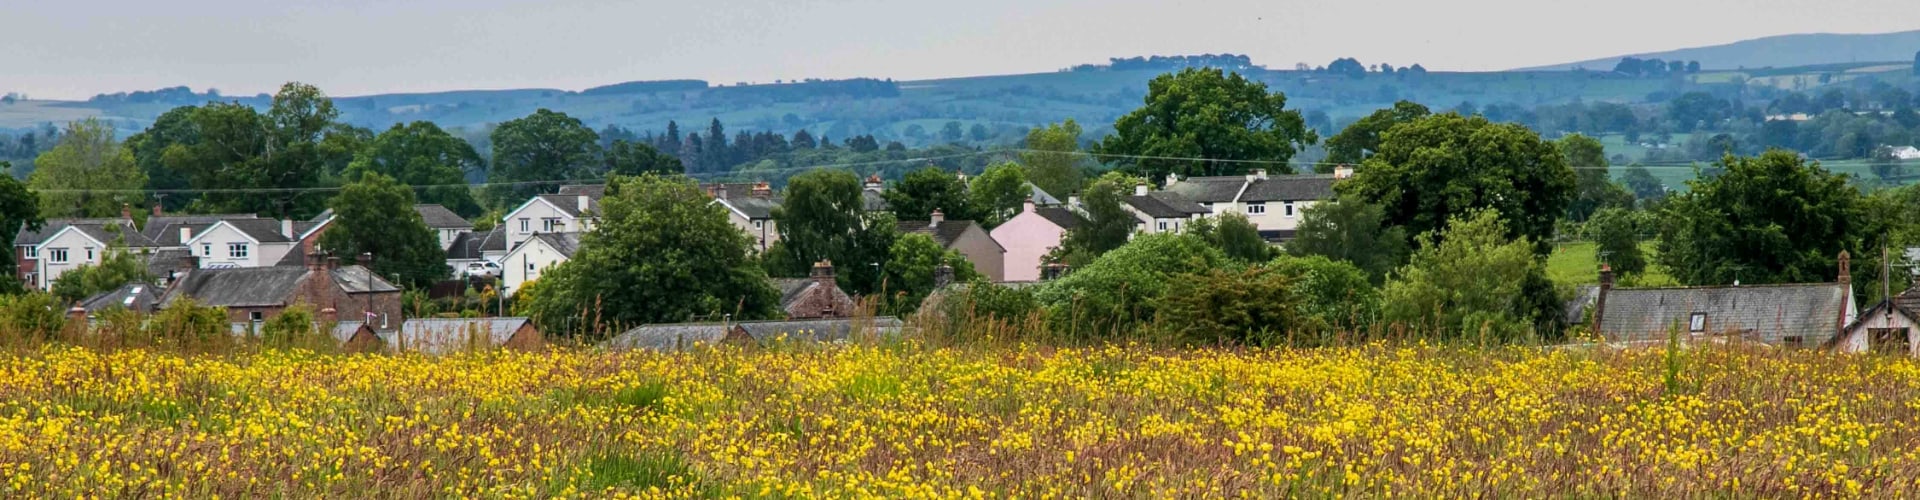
[1362, 138]
[1475, 281]
[1433, 169]
[87, 159]
[19, 208]
[922, 191]
[375, 215]
[421, 154]
[1767, 219]
[1206, 113]
[543, 146]
[822, 217]
[1351, 230]
[1594, 188]
[1104, 224]
[1053, 161]
[999, 193]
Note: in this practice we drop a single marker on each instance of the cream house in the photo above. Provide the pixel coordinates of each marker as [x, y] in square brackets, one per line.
[750, 208]
[1161, 211]
[77, 245]
[1273, 203]
[445, 224]
[1890, 327]
[535, 256]
[550, 213]
[244, 243]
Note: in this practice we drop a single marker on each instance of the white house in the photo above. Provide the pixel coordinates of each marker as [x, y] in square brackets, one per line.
[1161, 211]
[76, 245]
[1905, 153]
[550, 213]
[445, 224]
[1889, 327]
[1273, 203]
[750, 208]
[245, 242]
[540, 252]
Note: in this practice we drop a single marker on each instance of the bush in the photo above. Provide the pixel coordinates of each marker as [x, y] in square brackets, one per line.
[1235, 236]
[187, 323]
[1124, 286]
[295, 328]
[1252, 306]
[1334, 296]
[32, 316]
[1475, 283]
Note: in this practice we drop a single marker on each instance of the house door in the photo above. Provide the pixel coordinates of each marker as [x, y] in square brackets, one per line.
[1889, 341]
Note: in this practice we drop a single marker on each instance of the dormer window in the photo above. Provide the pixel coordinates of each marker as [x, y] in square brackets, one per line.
[1697, 323]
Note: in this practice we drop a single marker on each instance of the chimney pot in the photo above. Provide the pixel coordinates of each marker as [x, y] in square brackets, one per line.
[1846, 268]
[583, 203]
[1140, 189]
[935, 218]
[330, 315]
[156, 209]
[333, 263]
[126, 211]
[186, 233]
[1026, 207]
[823, 272]
[1260, 173]
[286, 228]
[1172, 179]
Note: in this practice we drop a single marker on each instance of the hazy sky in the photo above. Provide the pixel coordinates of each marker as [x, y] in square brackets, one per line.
[76, 48]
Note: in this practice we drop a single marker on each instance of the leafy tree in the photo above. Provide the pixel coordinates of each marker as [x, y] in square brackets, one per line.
[822, 217]
[297, 143]
[20, 209]
[34, 315]
[543, 146]
[1470, 285]
[375, 215]
[1234, 235]
[421, 154]
[1616, 234]
[1593, 187]
[999, 193]
[951, 132]
[1245, 305]
[86, 159]
[910, 268]
[1767, 219]
[1104, 224]
[149, 147]
[1643, 184]
[1351, 231]
[1363, 137]
[922, 191]
[118, 267]
[1432, 169]
[803, 140]
[1697, 110]
[635, 158]
[1205, 113]
[1334, 296]
[978, 133]
[662, 253]
[1052, 158]
[1125, 286]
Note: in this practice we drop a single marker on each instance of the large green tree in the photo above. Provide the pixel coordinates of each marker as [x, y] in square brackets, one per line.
[662, 253]
[258, 162]
[1227, 121]
[635, 158]
[87, 174]
[19, 209]
[1768, 219]
[922, 191]
[1053, 158]
[1362, 138]
[542, 147]
[1616, 233]
[1234, 235]
[1593, 186]
[421, 154]
[911, 264]
[1476, 283]
[174, 129]
[1435, 168]
[375, 215]
[1125, 286]
[999, 193]
[1351, 230]
[822, 217]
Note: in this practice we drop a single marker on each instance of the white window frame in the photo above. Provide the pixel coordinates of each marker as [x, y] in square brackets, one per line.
[526, 225]
[1697, 323]
[1163, 226]
[1287, 210]
[33, 252]
[238, 251]
[89, 254]
[206, 249]
[759, 224]
[552, 225]
[256, 316]
[1256, 208]
[57, 255]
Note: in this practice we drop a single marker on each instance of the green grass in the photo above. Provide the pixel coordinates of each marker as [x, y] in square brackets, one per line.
[1573, 263]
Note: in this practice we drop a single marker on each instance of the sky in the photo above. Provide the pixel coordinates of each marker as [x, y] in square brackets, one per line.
[73, 49]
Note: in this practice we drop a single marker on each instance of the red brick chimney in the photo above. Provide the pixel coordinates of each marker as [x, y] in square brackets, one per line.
[126, 211]
[1600, 300]
[1846, 269]
[823, 272]
[762, 190]
[156, 209]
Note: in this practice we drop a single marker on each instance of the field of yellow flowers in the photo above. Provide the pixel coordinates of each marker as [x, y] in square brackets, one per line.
[910, 421]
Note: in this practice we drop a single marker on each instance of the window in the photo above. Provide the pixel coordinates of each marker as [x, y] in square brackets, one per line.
[552, 224]
[759, 224]
[89, 254]
[524, 222]
[57, 255]
[1287, 210]
[1163, 225]
[237, 250]
[206, 249]
[1256, 208]
[1697, 323]
[33, 252]
[1888, 340]
[255, 316]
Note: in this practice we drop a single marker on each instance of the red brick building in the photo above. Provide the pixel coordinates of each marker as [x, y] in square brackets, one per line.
[344, 293]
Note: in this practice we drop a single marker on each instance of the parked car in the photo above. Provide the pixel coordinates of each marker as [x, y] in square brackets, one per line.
[481, 270]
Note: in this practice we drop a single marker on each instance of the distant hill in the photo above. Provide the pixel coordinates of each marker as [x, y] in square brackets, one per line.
[1777, 51]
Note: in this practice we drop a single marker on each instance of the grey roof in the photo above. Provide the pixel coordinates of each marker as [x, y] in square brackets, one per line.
[595, 191]
[356, 279]
[261, 230]
[469, 245]
[1059, 216]
[794, 289]
[677, 336]
[23, 237]
[164, 230]
[438, 217]
[447, 335]
[1767, 313]
[1272, 188]
[1165, 205]
[565, 243]
[162, 262]
[1575, 309]
[113, 233]
[946, 233]
[570, 203]
[236, 287]
[137, 297]
[343, 331]
[1041, 197]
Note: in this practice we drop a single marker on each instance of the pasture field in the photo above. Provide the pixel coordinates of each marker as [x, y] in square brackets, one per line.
[904, 420]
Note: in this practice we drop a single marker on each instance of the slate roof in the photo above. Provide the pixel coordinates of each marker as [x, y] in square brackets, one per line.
[1059, 216]
[469, 245]
[160, 263]
[164, 230]
[137, 297]
[1041, 197]
[1767, 313]
[595, 191]
[438, 217]
[1165, 205]
[23, 237]
[343, 331]
[945, 233]
[678, 336]
[356, 279]
[1209, 189]
[565, 243]
[170, 236]
[448, 335]
[794, 289]
[1272, 188]
[237, 287]
[261, 230]
[110, 234]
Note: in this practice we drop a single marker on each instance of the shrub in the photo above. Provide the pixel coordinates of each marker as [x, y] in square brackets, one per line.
[1475, 283]
[187, 323]
[1253, 305]
[295, 328]
[1333, 295]
[1124, 286]
[32, 316]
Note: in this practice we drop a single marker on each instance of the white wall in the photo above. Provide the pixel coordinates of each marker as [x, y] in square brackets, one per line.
[213, 247]
[1857, 338]
[535, 212]
[526, 264]
[762, 235]
[77, 244]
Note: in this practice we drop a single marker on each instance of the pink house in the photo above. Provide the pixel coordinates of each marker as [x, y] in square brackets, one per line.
[1029, 236]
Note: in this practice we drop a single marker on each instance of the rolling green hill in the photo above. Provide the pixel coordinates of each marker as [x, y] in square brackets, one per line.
[1778, 52]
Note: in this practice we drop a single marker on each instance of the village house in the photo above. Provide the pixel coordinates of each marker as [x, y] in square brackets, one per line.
[1272, 203]
[534, 256]
[246, 243]
[571, 212]
[255, 294]
[476, 247]
[78, 244]
[1161, 211]
[816, 296]
[27, 257]
[750, 208]
[965, 237]
[445, 224]
[451, 335]
[1890, 327]
[1792, 315]
[1029, 236]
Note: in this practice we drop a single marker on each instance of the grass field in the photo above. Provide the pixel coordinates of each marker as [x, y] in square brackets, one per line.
[1574, 263]
[905, 421]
